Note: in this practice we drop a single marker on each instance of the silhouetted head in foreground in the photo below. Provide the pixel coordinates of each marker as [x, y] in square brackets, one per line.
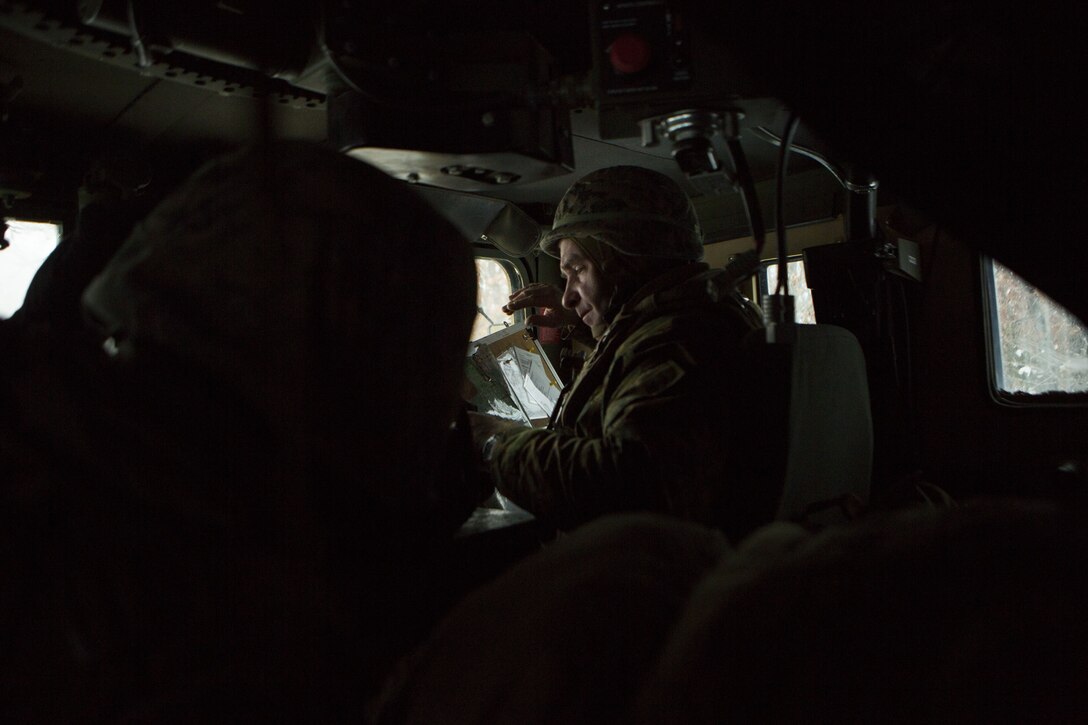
[228, 512]
[972, 614]
[290, 277]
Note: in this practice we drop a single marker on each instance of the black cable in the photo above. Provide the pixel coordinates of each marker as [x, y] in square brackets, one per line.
[890, 326]
[143, 60]
[748, 193]
[762, 133]
[908, 388]
[928, 271]
[912, 408]
[783, 286]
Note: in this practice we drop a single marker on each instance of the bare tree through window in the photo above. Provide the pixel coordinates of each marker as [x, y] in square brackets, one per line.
[493, 288]
[804, 312]
[1040, 347]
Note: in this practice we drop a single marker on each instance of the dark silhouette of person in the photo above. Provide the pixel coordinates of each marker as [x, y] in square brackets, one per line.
[969, 613]
[233, 505]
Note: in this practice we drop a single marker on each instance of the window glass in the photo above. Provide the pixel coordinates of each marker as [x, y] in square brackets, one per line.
[30, 243]
[1036, 346]
[495, 281]
[804, 312]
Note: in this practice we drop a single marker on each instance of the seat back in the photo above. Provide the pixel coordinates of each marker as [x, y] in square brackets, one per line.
[815, 420]
[830, 435]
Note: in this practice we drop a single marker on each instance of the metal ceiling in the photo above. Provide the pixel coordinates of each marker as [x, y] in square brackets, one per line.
[91, 85]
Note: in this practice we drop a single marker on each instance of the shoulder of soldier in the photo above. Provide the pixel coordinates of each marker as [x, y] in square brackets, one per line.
[699, 323]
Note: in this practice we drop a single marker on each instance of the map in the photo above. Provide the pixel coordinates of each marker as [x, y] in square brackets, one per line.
[509, 376]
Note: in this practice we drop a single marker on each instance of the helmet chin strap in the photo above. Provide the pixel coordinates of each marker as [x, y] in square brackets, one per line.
[616, 301]
[610, 310]
[597, 254]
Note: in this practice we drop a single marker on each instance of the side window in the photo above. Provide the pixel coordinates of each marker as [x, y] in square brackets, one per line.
[803, 310]
[28, 244]
[1038, 352]
[496, 279]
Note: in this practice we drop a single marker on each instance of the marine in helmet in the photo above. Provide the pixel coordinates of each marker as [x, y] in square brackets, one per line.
[649, 421]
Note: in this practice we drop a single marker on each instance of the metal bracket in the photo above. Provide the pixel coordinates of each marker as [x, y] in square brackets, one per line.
[692, 133]
[689, 124]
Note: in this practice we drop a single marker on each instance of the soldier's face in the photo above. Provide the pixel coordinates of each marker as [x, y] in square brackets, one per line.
[586, 291]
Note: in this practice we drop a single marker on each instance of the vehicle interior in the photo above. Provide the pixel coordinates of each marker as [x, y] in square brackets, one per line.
[920, 162]
[467, 100]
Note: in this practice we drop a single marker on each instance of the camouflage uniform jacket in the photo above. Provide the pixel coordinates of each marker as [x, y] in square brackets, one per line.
[649, 423]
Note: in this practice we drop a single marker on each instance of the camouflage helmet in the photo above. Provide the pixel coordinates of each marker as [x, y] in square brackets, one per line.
[634, 210]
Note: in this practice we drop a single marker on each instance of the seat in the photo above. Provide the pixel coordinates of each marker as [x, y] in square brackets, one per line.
[813, 408]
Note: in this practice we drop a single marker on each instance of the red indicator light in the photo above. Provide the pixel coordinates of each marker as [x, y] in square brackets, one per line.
[629, 53]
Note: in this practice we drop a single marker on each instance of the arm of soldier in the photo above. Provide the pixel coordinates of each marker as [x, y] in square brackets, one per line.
[559, 476]
[486, 427]
[570, 478]
[548, 301]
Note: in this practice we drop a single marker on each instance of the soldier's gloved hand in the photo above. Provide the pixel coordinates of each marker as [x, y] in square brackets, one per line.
[548, 301]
